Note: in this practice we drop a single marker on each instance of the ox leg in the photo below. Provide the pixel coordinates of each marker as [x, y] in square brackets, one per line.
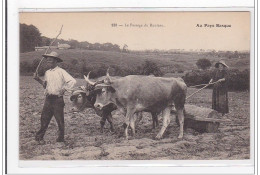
[110, 120]
[139, 116]
[166, 120]
[102, 122]
[129, 116]
[132, 125]
[181, 121]
[155, 120]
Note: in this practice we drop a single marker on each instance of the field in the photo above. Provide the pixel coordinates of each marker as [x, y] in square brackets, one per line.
[85, 142]
[167, 62]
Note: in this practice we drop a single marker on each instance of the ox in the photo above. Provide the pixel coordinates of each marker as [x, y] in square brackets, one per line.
[134, 93]
[82, 99]
[85, 97]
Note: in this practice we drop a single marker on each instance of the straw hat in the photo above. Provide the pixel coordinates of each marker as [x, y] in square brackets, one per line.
[221, 62]
[53, 55]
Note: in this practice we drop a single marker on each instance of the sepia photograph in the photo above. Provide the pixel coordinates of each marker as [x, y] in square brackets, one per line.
[135, 85]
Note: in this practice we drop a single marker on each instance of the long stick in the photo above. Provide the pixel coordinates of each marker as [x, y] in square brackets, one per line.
[200, 89]
[36, 71]
[197, 85]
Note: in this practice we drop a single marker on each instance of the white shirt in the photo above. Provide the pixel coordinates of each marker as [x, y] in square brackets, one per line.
[58, 79]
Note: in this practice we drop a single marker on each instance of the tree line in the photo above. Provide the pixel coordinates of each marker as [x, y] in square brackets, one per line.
[30, 37]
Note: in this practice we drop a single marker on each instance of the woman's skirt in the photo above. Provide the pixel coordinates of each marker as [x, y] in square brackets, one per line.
[220, 100]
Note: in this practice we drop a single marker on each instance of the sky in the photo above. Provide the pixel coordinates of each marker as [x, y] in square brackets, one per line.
[169, 30]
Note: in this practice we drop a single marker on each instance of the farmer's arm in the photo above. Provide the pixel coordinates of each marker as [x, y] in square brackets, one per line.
[69, 81]
[225, 78]
[37, 78]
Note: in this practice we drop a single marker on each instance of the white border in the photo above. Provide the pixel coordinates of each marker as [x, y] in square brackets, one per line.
[68, 4]
[97, 167]
[2, 87]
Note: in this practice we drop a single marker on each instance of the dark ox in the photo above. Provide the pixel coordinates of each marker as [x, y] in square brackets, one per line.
[82, 99]
[133, 94]
[85, 97]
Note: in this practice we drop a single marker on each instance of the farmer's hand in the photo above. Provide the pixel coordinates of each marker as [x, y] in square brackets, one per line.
[210, 81]
[35, 76]
[62, 91]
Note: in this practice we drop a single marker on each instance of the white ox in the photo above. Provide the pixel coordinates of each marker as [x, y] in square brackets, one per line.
[135, 93]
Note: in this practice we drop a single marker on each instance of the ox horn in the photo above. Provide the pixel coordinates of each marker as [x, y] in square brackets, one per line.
[108, 71]
[88, 80]
[108, 79]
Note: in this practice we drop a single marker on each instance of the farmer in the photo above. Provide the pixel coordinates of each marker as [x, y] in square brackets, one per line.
[56, 82]
[220, 89]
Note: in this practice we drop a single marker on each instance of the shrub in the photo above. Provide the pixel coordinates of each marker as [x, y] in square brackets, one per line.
[150, 67]
[237, 81]
[78, 68]
[203, 63]
[25, 67]
[196, 77]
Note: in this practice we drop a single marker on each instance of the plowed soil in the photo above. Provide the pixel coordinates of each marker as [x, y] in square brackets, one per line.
[85, 142]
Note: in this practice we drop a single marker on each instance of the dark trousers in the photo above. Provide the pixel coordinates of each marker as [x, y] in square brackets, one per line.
[53, 105]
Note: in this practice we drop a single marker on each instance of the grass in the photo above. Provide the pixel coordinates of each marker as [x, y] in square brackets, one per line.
[168, 62]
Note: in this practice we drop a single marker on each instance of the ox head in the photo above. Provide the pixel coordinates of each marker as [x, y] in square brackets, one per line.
[83, 96]
[79, 100]
[105, 93]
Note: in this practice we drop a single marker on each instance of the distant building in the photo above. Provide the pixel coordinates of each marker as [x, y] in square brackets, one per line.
[63, 46]
[44, 48]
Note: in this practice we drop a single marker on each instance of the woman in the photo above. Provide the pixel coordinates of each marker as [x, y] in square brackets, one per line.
[220, 89]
